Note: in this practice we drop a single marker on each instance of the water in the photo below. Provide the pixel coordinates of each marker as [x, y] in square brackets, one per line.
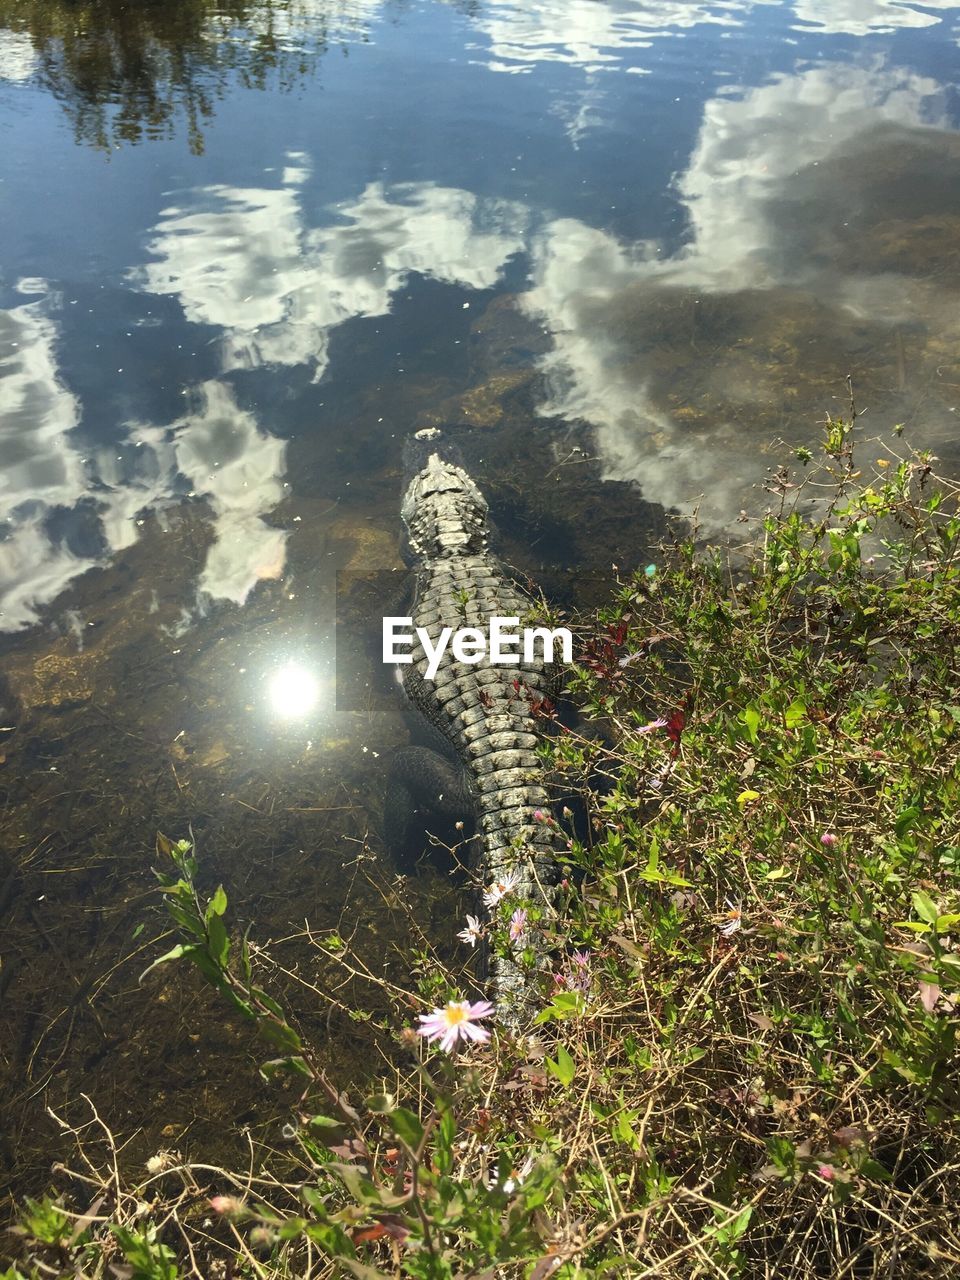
[244, 249]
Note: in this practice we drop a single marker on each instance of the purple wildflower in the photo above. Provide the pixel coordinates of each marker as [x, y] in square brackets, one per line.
[455, 1021]
[659, 723]
[518, 923]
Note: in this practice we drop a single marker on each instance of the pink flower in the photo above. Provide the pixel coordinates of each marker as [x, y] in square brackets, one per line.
[577, 976]
[828, 839]
[224, 1204]
[827, 1172]
[518, 923]
[455, 1021]
[659, 723]
[539, 815]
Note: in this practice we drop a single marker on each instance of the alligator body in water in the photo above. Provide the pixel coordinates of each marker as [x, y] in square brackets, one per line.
[479, 717]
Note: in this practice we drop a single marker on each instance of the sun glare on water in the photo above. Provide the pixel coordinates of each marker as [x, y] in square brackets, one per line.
[293, 691]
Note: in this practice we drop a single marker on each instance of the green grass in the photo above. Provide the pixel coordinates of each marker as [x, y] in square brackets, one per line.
[753, 1071]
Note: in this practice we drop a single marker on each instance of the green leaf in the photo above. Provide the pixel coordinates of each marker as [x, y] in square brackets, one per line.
[294, 1064]
[906, 820]
[565, 1004]
[564, 1068]
[665, 877]
[217, 904]
[874, 1169]
[268, 1002]
[323, 1123]
[784, 1156]
[279, 1034]
[925, 907]
[751, 719]
[733, 1230]
[624, 1129]
[201, 957]
[794, 715]
[332, 1237]
[175, 953]
[239, 1004]
[446, 1132]
[186, 917]
[218, 939]
[406, 1126]
[357, 1183]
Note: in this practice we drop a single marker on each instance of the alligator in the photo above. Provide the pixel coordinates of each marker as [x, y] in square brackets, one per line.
[482, 720]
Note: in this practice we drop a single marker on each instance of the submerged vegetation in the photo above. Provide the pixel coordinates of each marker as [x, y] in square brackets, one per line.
[746, 1065]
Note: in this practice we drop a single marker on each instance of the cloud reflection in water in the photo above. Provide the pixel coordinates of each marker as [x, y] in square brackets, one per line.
[40, 469]
[868, 17]
[593, 37]
[687, 364]
[244, 260]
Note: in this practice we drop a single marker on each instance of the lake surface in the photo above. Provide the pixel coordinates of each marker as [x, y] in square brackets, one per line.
[245, 248]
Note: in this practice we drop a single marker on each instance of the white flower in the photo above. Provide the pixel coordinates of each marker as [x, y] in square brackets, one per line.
[656, 780]
[733, 918]
[472, 932]
[500, 888]
[516, 1178]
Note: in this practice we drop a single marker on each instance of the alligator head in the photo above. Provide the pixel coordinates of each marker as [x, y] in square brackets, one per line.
[444, 511]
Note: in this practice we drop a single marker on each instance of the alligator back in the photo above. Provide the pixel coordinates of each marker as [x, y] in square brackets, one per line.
[485, 711]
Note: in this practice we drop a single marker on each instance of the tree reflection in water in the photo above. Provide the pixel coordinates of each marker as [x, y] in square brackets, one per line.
[128, 72]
